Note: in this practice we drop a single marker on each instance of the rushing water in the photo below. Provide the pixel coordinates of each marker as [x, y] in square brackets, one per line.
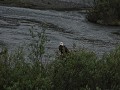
[68, 26]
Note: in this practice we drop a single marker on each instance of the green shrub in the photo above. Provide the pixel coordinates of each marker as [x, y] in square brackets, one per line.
[105, 12]
[73, 72]
[19, 72]
[82, 69]
[78, 70]
[111, 70]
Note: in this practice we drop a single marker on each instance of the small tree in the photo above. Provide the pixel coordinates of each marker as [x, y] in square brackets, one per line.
[37, 46]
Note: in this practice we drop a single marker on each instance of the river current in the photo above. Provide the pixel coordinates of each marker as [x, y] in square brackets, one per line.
[70, 27]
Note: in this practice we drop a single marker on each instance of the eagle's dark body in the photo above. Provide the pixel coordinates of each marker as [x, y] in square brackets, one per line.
[63, 49]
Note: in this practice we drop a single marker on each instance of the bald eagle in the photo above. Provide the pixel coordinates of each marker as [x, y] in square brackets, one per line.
[63, 49]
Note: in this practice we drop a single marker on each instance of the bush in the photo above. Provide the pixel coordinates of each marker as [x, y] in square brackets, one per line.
[17, 74]
[73, 72]
[24, 71]
[105, 12]
[82, 69]
[78, 70]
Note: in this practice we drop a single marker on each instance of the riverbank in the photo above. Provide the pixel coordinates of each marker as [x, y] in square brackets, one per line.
[43, 4]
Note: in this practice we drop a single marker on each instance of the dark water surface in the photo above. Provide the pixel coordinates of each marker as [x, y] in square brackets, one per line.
[68, 26]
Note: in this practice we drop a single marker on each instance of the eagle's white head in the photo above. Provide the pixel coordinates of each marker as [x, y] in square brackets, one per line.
[61, 43]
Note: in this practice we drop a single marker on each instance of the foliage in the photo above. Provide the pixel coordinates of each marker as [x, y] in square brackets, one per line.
[73, 72]
[19, 72]
[78, 70]
[105, 12]
[82, 70]
[37, 45]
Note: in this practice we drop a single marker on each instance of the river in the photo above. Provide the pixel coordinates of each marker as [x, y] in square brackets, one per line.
[66, 26]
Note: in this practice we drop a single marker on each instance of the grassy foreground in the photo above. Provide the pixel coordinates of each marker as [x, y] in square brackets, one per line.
[79, 70]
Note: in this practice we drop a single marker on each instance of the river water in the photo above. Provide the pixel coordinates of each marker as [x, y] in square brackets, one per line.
[67, 26]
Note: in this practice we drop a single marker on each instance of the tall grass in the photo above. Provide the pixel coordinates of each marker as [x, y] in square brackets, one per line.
[78, 70]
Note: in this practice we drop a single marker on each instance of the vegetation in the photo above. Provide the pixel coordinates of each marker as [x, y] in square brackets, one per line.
[80, 70]
[105, 12]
